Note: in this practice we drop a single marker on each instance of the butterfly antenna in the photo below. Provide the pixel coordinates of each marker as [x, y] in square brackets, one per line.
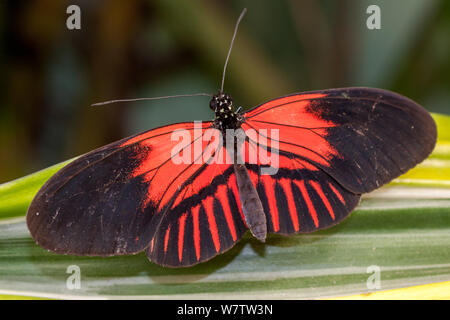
[231, 47]
[153, 98]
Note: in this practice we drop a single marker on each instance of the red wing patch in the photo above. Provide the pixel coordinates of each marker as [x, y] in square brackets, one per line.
[157, 158]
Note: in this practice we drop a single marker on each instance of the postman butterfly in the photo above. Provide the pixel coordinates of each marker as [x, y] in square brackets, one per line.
[131, 196]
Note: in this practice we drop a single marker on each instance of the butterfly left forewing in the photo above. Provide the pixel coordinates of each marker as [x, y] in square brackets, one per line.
[110, 201]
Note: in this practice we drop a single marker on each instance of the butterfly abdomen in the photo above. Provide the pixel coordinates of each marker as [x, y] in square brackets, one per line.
[252, 207]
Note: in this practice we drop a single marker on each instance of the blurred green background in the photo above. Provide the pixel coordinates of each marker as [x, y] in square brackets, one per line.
[127, 49]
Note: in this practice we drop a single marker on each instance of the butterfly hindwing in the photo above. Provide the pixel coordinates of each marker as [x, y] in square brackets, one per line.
[299, 197]
[205, 220]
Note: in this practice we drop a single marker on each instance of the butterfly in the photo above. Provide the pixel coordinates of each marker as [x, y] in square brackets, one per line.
[184, 197]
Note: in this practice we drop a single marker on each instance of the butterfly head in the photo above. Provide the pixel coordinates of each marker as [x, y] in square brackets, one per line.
[221, 101]
[225, 117]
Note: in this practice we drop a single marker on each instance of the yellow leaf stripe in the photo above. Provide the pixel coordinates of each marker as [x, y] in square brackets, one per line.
[432, 291]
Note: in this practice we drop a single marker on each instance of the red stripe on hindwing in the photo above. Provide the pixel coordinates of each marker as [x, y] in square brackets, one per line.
[152, 244]
[208, 204]
[195, 213]
[181, 226]
[311, 210]
[337, 193]
[286, 185]
[269, 187]
[234, 189]
[166, 239]
[322, 196]
[221, 194]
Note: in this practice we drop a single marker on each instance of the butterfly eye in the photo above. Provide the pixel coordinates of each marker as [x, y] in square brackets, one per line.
[213, 104]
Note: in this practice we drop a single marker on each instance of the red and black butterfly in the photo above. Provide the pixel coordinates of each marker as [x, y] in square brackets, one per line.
[130, 196]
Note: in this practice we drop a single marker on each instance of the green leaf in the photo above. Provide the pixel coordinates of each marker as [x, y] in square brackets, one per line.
[16, 196]
[403, 228]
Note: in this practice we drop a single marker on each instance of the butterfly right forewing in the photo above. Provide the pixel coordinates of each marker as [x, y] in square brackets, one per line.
[333, 146]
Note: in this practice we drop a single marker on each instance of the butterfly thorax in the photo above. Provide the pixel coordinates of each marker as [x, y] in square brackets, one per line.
[225, 116]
